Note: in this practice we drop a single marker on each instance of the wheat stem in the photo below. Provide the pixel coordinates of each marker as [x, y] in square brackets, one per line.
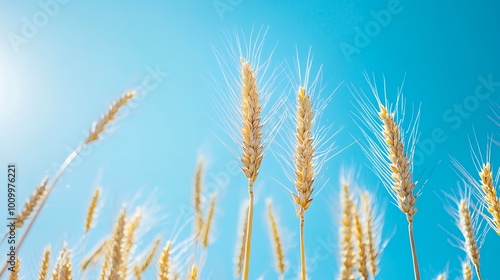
[248, 239]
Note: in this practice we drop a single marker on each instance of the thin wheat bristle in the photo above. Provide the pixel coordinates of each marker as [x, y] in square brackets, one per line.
[400, 164]
[117, 248]
[209, 221]
[491, 198]
[14, 275]
[467, 229]
[198, 177]
[141, 268]
[304, 153]
[94, 257]
[346, 236]
[44, 265]
[242, 235]
[466, 271]
[279, 254]
[99, 126]
[371, 249]
[164, 263]
[89, 219]
[31, 203]
[361, 244]
[252, 127]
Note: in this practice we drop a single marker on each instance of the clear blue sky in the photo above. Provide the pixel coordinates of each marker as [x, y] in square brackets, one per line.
[62, 64]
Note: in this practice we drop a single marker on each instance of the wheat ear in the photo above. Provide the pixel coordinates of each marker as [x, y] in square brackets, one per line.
[346, 235]
[193, 273]
[402, 176]
[92, 210]
[490, 197]
[253, 149]
[63, 268]
[467, 229]
[164, 263]
[31, 203]
[304, 169]
[14, 275]
[242, 233]
[279, 254]
[209, 221]
[198, 177]
[129, 238]
[96, 130]
[44, 266]
[372, 250]
[466, 271]
[442, 276]
[117, 248]
[361, 242]
[141, 268]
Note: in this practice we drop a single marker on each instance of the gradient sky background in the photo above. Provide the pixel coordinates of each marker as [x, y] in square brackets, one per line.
[62, 78]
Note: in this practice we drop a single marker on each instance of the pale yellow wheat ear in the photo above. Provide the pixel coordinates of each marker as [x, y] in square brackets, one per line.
[116, 248]
[490, 197]
[466, 226]
[197, 194]
[390, 147]
[31, 203]
[63, 269]
[347, 257]
[91, 211]
[94, 134]
[209, 221]
[164, 263]
[140, 268]
[44, 265]
[240, 246]
[372, 228]
[276, 240]
[131, 228]
[466, 271]
[361, 244]
[193, 273]
[14, 274]
[442, 276]
[99, 126]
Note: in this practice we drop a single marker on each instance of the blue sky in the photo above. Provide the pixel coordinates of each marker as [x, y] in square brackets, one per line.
[62, 63]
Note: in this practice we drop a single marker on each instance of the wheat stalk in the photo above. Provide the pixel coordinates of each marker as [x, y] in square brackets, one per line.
[253, 149]
[96, 130]
[44, 266]
[467, 228]
[401, 173]
[14, 274]
[346, 235]
[164, 263]
[279, 253]
[209, 221]
[490, 197]
[92, 209]
[242, 233]
[197, 200]
[31, 203]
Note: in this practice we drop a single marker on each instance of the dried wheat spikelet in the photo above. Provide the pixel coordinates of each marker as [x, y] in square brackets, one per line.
[209, 221]
[359, 233]
[14, 274]
[466, 271]
[44, 265]
[96, 254]
[99, 126]
[198, 181]
[139, 269]
[466, 226]
[279, 253]
[31, 203]
[116, 248]
[164, 263]
[490, 197]
[346, 235]
[89, 219]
